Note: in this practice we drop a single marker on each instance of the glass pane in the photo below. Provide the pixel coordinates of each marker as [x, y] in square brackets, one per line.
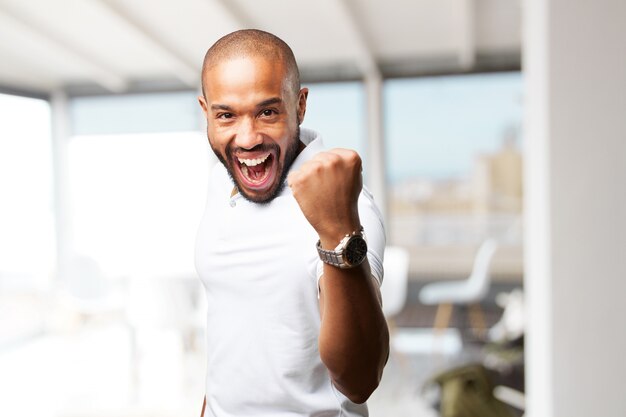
[26, 218]
[454, 158]
[137, 200]
[337, 112]
[135, 113]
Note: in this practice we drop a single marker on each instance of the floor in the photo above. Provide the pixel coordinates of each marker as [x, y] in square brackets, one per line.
[87, 370]
[89, 374]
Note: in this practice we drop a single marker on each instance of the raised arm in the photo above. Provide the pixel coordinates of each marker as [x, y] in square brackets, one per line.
[354, 340]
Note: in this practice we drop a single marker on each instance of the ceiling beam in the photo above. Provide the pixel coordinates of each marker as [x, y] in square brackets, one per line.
[467, 33]
[22, 68]
[239, 18]
[17, 91]
[365, 57]
[98, 71]
[183, 69]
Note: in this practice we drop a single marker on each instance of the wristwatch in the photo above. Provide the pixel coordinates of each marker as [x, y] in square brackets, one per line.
[350, 252]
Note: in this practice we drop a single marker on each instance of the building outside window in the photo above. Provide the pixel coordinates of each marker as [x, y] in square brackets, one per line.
[454, 169]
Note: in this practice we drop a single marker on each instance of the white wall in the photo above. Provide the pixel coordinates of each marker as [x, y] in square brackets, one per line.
[575, 69]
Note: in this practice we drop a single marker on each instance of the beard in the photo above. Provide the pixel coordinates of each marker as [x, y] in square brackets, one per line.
[282, 169]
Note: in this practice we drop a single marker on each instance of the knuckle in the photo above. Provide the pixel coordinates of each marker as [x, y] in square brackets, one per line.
[329, 164]
[312, 167]
[353, 157]
[334, 159]
[319, 167]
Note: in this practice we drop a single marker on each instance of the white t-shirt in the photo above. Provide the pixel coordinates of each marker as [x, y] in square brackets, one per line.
[260, 269]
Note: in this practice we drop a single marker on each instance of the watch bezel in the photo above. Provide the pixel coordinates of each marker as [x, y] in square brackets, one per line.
[350, 247]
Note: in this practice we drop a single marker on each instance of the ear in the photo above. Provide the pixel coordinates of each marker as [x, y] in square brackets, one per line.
[302, 96]
[205, 108]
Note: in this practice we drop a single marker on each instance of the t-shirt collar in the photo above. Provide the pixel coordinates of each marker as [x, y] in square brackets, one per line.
[314, 144]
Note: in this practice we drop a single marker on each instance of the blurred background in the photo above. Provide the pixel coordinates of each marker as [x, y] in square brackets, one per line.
[501, 185]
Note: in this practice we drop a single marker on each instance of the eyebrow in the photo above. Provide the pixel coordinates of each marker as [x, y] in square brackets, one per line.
[270, 101]
[264, 103]
[221, 107]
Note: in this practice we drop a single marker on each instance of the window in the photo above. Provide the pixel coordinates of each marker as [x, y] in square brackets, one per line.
[137, 200]
[138, 176]
[27, 245]
[336, 111]
[453, 158]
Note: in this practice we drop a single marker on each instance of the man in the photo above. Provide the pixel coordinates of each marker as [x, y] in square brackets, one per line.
[294, 322]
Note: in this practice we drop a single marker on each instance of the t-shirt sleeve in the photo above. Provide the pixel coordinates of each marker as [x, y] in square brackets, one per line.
[372, 222]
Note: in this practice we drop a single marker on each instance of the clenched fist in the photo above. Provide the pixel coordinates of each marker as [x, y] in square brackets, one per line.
[327, 188]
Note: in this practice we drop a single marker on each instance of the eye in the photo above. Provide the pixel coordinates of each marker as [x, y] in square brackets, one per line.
[268, 113]
[225, 116]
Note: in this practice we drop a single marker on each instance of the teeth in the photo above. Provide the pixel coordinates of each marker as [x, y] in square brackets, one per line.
[253, 162]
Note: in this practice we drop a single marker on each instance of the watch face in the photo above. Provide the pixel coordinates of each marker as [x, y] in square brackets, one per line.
[356, 250]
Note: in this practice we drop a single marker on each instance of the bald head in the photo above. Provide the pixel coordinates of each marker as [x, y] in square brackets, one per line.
[252, 43]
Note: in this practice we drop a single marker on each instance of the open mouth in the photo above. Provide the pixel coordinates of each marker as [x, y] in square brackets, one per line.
[257, 173]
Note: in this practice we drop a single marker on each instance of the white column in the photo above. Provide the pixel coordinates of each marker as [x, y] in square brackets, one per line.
[376, 177]
[575, 175]
[60, 135]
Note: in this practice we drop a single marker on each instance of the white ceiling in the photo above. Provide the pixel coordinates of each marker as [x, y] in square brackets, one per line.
[126, 45]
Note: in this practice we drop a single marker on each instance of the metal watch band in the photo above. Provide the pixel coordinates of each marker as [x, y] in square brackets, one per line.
[330, 256]
[336, 257]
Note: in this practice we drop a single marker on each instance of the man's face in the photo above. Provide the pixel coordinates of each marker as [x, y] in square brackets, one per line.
[253, 122]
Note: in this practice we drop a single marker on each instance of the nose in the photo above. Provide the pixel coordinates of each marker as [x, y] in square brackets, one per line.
[247, 135]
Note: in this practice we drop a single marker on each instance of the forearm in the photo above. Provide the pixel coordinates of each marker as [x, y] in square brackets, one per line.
[354, 340]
